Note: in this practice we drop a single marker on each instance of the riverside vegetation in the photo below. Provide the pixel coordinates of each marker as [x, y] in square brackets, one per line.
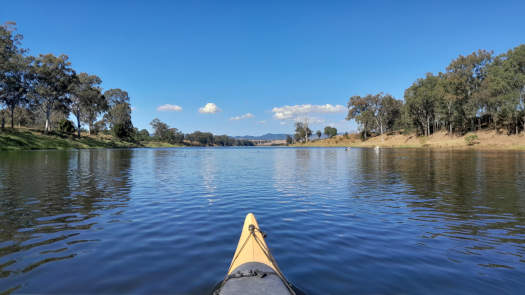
[40, 93]
[479, 100]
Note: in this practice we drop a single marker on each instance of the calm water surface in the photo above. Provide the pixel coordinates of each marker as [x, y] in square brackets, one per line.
[338, 222]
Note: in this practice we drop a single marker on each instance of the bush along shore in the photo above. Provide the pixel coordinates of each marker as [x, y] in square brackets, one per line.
[34, 139]
[27, 139]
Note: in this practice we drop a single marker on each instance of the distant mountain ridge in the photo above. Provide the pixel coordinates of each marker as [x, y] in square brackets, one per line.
[267, 136]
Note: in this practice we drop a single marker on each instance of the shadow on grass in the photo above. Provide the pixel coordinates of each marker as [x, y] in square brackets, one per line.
[36, 139]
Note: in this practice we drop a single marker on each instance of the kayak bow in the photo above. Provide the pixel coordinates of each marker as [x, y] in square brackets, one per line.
[253, 269]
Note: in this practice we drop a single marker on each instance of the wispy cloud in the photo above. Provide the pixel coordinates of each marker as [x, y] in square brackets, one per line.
[169, 108]
[209, 108]
[242, 117]
[261, 122]
[295, 111]
[311, 120]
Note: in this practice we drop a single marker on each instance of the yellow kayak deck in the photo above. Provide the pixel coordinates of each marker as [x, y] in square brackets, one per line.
[252, 247]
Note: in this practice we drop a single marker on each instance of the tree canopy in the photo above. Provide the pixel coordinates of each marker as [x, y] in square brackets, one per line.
[476, 91]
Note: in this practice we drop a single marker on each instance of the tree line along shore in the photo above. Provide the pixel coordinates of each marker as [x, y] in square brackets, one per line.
[478, 95]
[38, 95]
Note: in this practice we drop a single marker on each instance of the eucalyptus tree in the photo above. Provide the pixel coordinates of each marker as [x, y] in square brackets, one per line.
[392, 109]
[302, 132]
[318, 133]
[422, 100]
[17, 84]
[87, 100]
[359, 110]
[15, 74]
[164, 133]
[330, 131]
[119, 113]
[465, 76]
[504, 89]
[289, 139]
[53, 77]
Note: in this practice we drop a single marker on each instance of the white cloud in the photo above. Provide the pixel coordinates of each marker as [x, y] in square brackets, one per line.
[311, 120]
[292, 112]
[242, 117]
[209, 108]
[169, 108]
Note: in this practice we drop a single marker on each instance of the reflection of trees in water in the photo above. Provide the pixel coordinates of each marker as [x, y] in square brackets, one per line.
[50, 196]
[473, 192]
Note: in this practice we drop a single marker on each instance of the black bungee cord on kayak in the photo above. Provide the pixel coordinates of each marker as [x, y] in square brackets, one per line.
[252, 273]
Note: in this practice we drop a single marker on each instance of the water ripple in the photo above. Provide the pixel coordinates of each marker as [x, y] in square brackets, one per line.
[338, 222]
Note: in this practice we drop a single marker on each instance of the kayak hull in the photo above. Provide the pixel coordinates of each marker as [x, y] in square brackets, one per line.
[253, 269]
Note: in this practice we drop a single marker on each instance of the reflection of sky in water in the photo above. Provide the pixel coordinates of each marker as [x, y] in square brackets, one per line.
[208, 173]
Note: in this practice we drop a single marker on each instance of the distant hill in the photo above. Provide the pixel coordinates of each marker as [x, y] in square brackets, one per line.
[268, 136]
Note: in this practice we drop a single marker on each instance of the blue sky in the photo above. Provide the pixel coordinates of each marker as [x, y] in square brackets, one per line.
[252, 57]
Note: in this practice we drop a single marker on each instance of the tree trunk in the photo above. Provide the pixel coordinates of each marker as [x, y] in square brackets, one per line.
[428, 126]
[12, 117]
[78, 126]
[450, 128]
[47, 127]
[90, 128]
[479, 123]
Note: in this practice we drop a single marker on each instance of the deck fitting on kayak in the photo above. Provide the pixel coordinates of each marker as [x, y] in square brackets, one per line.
[253, 269]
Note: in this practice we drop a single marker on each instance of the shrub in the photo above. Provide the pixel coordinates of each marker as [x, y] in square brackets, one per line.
[471, 139]
[123, 131]
[66, 126]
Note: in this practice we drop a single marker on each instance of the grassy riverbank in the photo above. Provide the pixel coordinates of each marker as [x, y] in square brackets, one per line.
[27, 139]
[485, 140]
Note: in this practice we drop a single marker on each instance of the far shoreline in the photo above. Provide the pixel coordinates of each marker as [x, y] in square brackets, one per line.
[486, 140]
[26, 139]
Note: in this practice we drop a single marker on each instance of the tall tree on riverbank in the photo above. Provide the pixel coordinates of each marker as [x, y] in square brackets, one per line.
[52, 84]
[163, 132]
[87, 100]
[422, 100]
[302, 132]
[119, 113]
[15, 73]
[330, 131]
[503, 90]
[359, 110]
[465, 76]
[374, 112]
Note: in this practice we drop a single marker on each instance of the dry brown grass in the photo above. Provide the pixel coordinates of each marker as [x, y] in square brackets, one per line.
[486, 140]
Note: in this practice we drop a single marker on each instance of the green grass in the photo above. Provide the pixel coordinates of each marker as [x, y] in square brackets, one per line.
[25, 139]
[159, 144]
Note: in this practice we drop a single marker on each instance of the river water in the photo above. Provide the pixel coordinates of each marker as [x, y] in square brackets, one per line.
[361, 221]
